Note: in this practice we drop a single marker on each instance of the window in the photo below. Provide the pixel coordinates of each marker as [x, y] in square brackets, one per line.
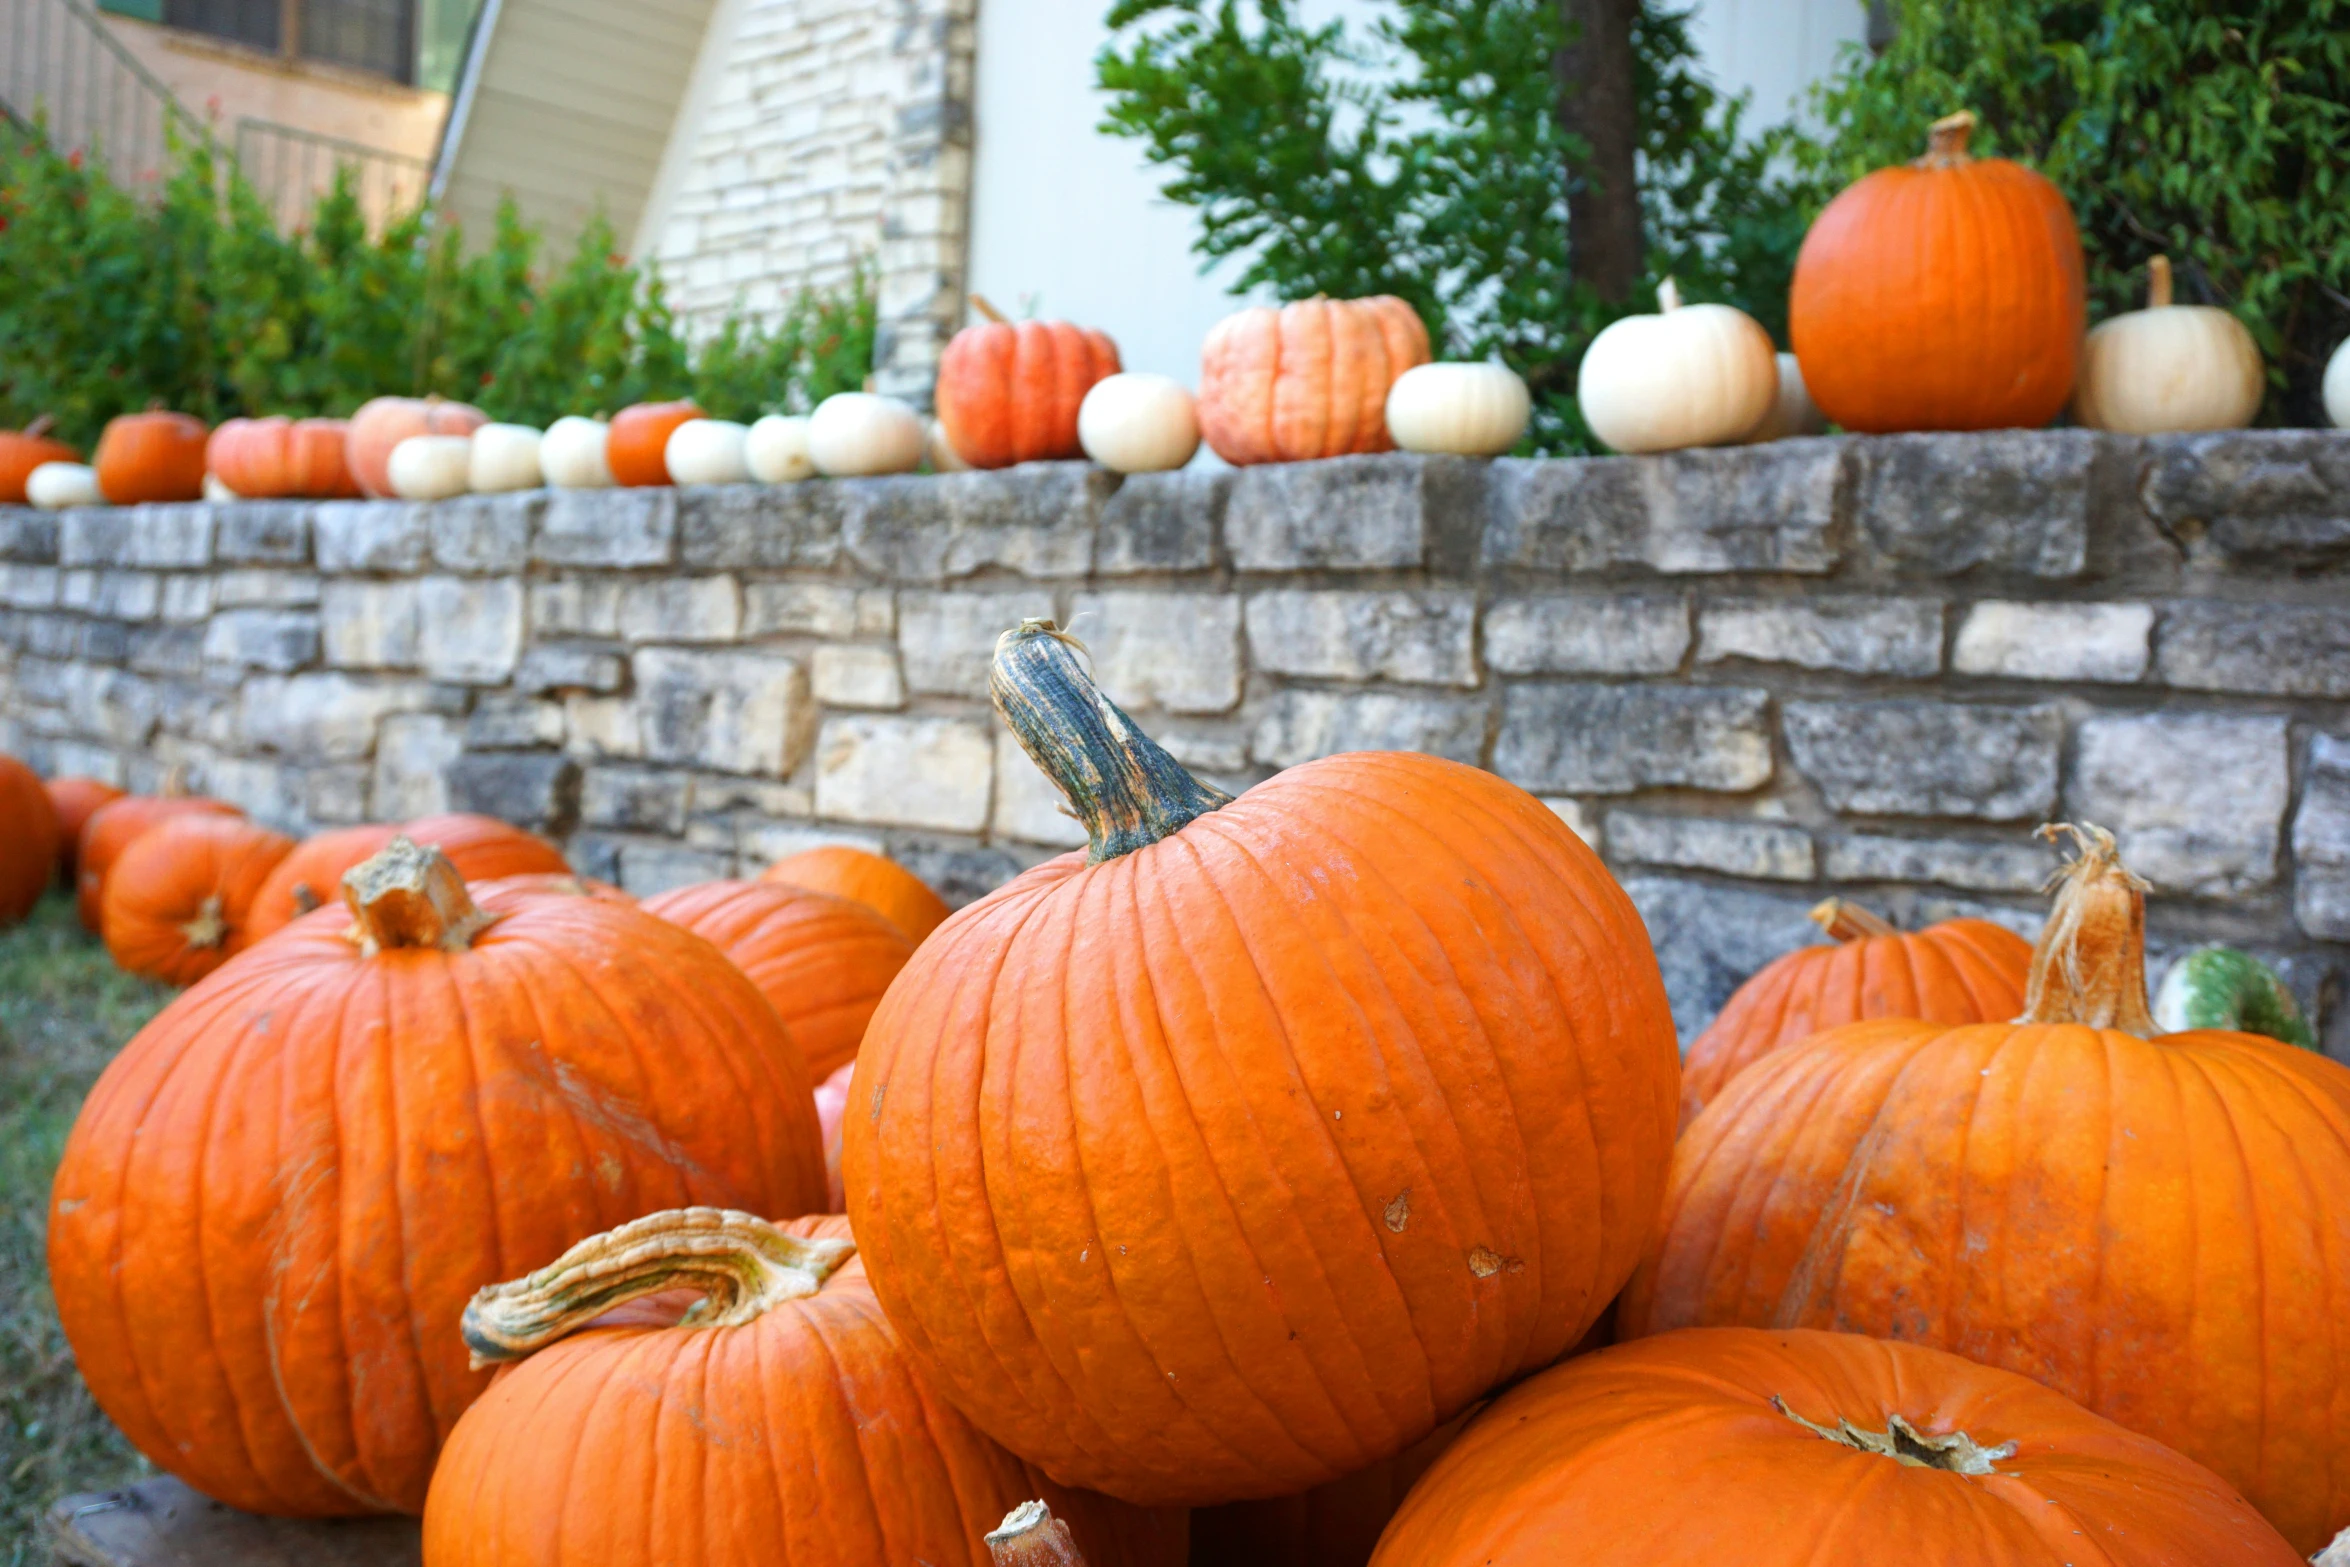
[378, 36]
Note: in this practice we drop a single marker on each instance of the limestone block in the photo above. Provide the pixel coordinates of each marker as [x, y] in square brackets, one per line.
[1163, 652]
[1859, 635]
[1415, 638]
[1926, 758]
[731, 711]
[2197, 800]
[1576, 738]
[905, 772]
[2024, 641]
[1587, 633]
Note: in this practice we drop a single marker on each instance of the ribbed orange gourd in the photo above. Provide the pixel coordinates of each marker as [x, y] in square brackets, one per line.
[1789, 1449]
[151, 456]
[1306, 380]
[176, 904]
[823, 961]
[785, 1427]
[76, 800]
[1247, 1148]
[2158, 1226]
[114, 827]
[1008, 390]
[392, 1105]
[481, 847]
[382, 423]
[1960, 971]
[1945, 295]
[28, 849]
[881, 884]
[278, 456]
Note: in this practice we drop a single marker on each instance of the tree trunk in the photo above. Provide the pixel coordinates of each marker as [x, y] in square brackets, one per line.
[1596, 103]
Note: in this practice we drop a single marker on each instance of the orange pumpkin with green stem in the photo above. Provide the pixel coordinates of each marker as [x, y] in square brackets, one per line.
[21, 451]
[2155, 1224]
[28, 849]
[176, 904]
[393, 1104]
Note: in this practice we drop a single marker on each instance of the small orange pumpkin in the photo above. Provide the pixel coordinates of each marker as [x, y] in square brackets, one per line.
[21, 451]
[880, 883]
[824, 961]
[1306, 380]
[481, 847]
[1960, 971]
[1947, 295]
[637, 449]
[28, 848]
[266, 458]
[76, 800]
[1008, 391]
[384, 422]
[114, 827]
[151, 456]
[175, 906]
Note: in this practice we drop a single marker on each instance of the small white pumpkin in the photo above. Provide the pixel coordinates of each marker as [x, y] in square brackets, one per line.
[708, 451]
[53, 486]
[216, 491]
[1468, 410]
[2168, 367]
[1792, 412]
[1138, 422]
[1690, 375]
[505, 457]
[431, 467]
[777, 449]
[853, 433]
[571, 454]
[938, 451]
[2337, 386]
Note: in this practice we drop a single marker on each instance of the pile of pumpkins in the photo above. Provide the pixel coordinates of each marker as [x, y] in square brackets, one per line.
[1310, 1178]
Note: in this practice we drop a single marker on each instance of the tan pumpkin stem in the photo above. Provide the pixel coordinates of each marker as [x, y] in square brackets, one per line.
[1668, 297]
[305, 899]
[1030, 1536]
[175, 782]
[1946, 141]
[990, 312]
[409, 895]
[2158, 283]
[209, 928]
[1119, 782]
[1845, 920]
[40, 426]
[2090, 965]
[743, 1265]
[1906, 1444]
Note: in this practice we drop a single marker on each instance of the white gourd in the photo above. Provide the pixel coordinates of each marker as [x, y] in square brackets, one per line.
[1690, 375]
[1792, 411]
[505, 457]
[1468, 410]
[431, 467]
[53, 486]
[1138, 422]
[2168, 368]
[940, 452]
[216, 491]
[708, 451]
[571, 454]
[855, 433]
[2337, 386]
[777, 449]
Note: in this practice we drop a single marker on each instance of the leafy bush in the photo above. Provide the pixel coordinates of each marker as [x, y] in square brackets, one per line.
[190, 296]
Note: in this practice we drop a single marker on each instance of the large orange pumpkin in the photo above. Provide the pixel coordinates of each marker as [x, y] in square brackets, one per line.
[1960, 971]
[1947, 295]
[1786, 1449]
[1249, 1147]
[1305, 380]
[76, 800]
[824, 961]
[114, 827]
[481, 847]
[384, 422]
[2157, 1226]
[391, 1105]
[1008, 390]
[175, 904]
[265, 458]
[151, 456]
[637, 449]
[28, 848]
[21, 451]
[881, 884]
[790, 1430]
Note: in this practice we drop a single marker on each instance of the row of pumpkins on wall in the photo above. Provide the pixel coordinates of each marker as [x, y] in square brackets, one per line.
[1946, 295]
[1320, 1162]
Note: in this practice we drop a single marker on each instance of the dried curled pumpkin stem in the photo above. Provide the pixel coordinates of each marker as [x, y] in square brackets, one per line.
[2090, 965]
[1845, 920]
[1905, 1444]
[409, 895]
[1030, 1536]
[1122, 784]
[210, 926]
[743, 1265]
[1946, 141]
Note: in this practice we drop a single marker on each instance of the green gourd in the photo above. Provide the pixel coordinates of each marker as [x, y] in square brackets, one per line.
[2220, 987]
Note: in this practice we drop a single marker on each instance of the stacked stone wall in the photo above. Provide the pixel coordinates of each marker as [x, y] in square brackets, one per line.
[1749, 677]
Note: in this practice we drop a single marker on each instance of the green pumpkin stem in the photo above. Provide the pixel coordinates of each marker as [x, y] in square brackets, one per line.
[1845, 920]
[2090, 964]
[409, 895]
[1122, 785]
[743, 1265]
[1030, 1536]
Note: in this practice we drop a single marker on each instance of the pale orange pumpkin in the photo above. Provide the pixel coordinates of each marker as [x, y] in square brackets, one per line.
[1008, 391]
[1306, 380]
[21, 451]
[264, 459]
[151, 456]
[384, 422]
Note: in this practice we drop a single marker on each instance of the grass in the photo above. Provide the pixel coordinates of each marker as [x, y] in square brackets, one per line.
[65, 1009]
